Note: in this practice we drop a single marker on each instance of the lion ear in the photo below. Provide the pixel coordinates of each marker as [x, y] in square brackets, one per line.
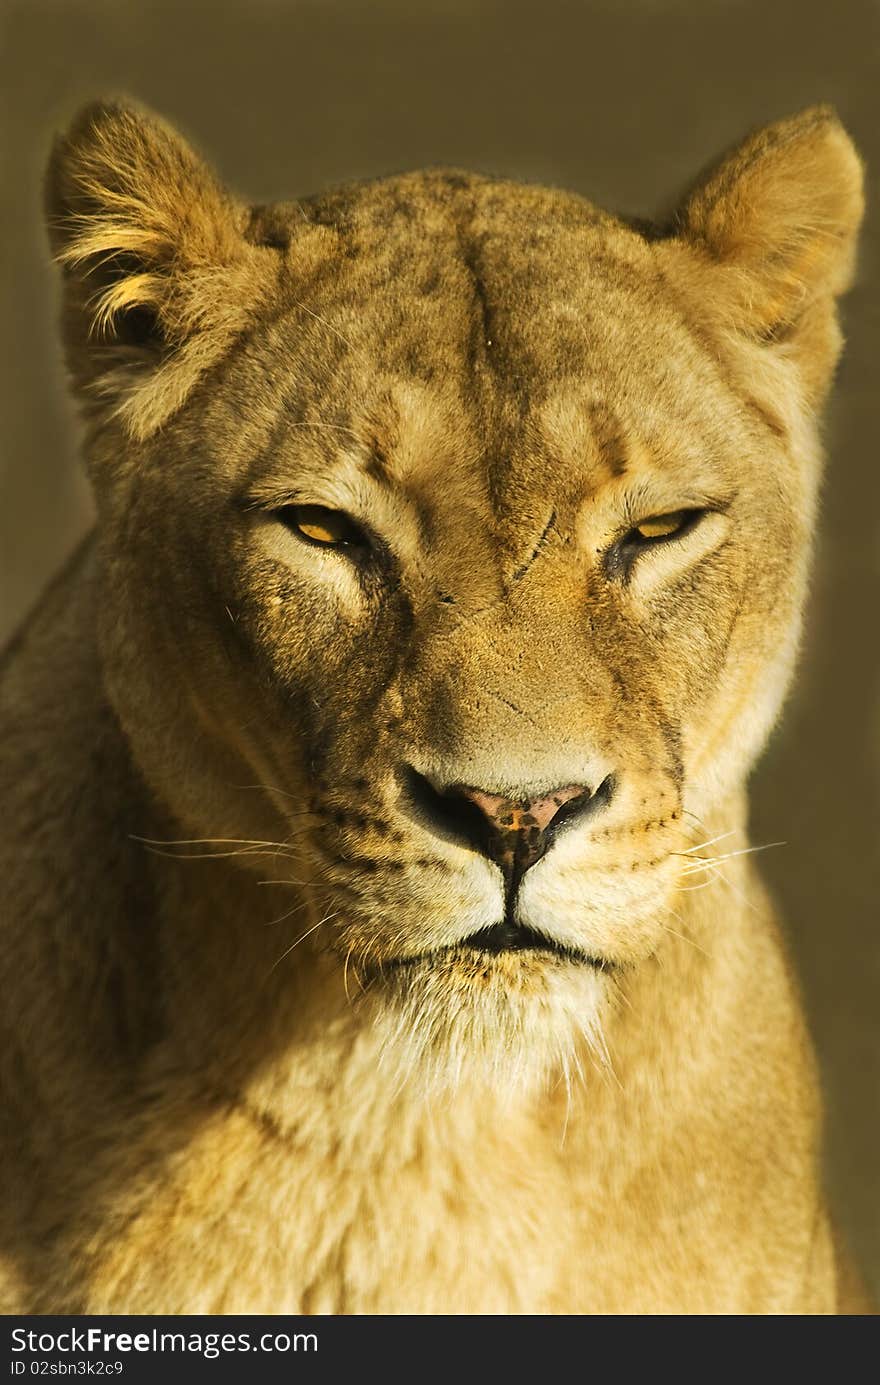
[159, 276]
[780, 215]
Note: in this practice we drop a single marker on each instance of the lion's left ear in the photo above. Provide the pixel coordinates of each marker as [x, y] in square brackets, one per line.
[778, 220]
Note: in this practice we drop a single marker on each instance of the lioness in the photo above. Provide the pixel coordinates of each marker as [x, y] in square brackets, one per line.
[379, 930]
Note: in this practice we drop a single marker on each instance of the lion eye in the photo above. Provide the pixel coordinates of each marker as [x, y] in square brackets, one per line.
[325, 528]
[664, 526]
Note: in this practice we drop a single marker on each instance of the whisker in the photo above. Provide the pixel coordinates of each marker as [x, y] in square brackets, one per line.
[669, 910]
[345, 975]
[273, 788]
[203, 841]
[618, 990]
[727, 856]
[700, 846]
[566, 1077]
[748, 850]
[297, 909]
[301, 939]
[743, 898]
[289, 881]
[214, 855]
[684, 938]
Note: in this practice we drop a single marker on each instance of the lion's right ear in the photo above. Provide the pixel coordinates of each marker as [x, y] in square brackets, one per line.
[159, 274]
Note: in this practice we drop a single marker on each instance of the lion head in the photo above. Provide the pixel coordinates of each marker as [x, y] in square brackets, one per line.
[454, 536]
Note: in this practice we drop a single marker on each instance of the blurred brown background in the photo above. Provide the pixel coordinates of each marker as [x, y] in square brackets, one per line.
[623, 100]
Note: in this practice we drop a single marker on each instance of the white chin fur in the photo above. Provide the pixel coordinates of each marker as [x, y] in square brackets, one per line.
[514, 1023]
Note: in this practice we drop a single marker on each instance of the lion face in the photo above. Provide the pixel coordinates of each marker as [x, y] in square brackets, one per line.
[467, 562]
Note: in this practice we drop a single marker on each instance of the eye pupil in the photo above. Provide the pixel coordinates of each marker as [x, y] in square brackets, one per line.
[323, 527]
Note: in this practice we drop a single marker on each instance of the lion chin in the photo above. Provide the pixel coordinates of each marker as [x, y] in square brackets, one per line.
[512, 1017]
[495, 1023]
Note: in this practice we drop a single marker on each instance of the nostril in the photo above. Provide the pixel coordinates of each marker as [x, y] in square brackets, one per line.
[580, 805]
[449, 813]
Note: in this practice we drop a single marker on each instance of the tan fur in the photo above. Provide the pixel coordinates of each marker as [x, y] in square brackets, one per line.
[250, 1062]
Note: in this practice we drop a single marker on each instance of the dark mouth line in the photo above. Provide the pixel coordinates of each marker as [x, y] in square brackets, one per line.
[516, 937]
[506, 936]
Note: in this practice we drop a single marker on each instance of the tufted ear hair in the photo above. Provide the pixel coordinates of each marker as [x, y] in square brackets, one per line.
[159, 275]
[783, 211]
[776, 220]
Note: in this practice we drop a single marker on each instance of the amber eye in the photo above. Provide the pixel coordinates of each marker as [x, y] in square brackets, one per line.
[664, 526]
[322, 527]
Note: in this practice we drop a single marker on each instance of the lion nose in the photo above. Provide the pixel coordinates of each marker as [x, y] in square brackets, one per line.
[525, 813]
[515, 833]
[512, 832]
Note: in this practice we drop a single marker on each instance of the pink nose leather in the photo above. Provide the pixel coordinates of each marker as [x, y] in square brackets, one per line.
[523, 813]
[516, 826]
